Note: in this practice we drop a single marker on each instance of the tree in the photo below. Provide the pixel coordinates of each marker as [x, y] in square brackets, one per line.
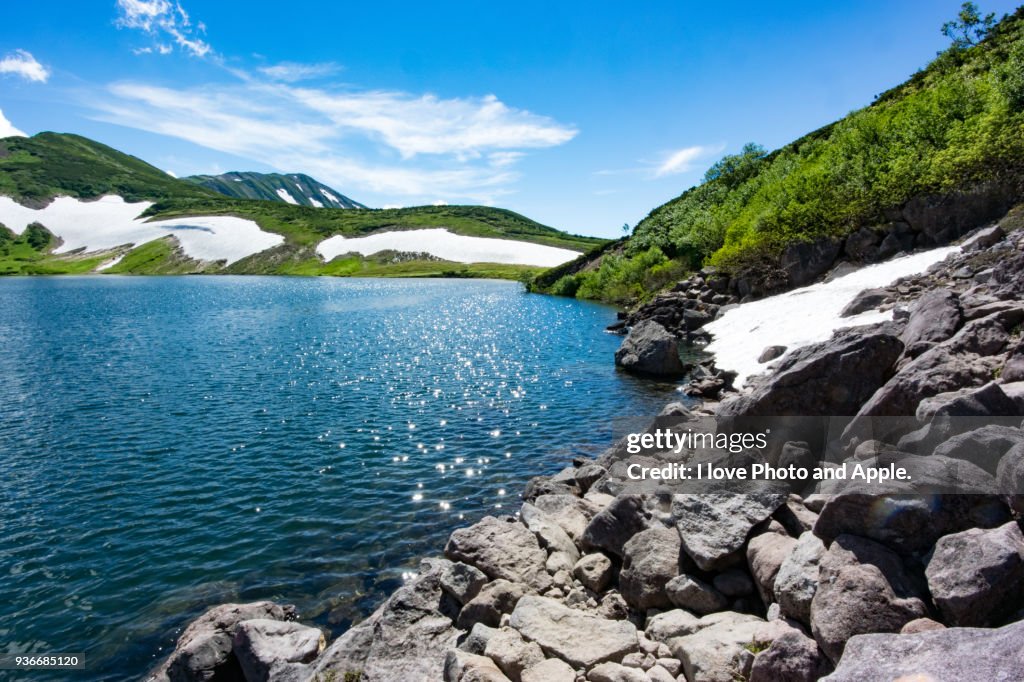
[625, 228]
[969, 28]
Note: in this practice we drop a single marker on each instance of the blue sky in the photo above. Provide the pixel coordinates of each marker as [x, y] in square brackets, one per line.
[582, 115]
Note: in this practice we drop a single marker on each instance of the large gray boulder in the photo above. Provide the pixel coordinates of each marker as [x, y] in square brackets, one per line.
[667, 625]
[275, 650]
[462, 581]
[501, 548]
[934, 318]
[944, 496]
[650, 559]
[983, 446]
[580, 639]
[651, 350]
[862, 587]
[834, 377]
[976, 577]
[204, 649]
[803, 262]
[610, 529]
[714, 527]
[797, 579]
[939, 370]
[405, 639]
[614, 672]
[1010, 478]
[950, 655]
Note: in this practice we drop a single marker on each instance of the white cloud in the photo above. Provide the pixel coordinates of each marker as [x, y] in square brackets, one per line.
[162, 19]
[291, 72]
[171, 173]
[22, 63]
[426, 124]
[461, 147]
[439, 202]
[682, 160]
[7, 128]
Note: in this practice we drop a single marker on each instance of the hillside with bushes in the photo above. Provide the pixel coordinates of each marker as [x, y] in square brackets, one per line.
[954, 126]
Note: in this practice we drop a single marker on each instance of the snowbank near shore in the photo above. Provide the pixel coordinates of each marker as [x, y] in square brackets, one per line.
[110, 221]
[806, 315]
[452, 247]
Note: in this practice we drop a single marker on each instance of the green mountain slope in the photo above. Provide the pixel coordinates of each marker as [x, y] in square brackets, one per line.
[955, 127]
[34, 170]
[294, 188]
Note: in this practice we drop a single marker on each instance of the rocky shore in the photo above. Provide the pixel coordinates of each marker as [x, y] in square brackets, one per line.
[590, 582]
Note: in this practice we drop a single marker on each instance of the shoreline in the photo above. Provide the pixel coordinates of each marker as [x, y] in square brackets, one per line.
[588, 581]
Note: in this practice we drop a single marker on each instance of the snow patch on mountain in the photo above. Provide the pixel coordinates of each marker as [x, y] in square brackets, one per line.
[109, 222]
[449, 246]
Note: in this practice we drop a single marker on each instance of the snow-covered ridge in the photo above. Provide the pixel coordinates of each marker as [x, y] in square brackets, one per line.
[109, 222]
[804, 316]
[448, 246]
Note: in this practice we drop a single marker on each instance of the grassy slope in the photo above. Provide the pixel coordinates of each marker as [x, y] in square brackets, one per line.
[33, 170]
[956, 123]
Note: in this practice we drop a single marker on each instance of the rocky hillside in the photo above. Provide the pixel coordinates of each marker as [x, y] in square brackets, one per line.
[295, 188]
[592, 580]
[852, 188]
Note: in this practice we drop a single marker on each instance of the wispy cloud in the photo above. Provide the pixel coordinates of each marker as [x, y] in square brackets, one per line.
[421, 145]
[7, 128]
[22, 63]
[166, 23]
[293, 72]
[683, 160]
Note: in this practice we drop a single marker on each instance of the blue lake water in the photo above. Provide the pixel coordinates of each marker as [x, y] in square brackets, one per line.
[172, 443]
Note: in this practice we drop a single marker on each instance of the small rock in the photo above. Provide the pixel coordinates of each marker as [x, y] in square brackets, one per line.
[460, 666]
[869, 299]
[771, 353]
[695, 595]
[549, 670]
[594, 571]
[615, 525]
[462, 581]
[797, 578]
[511, 653]
[494, 599]
[613, 672]
[792, 657]
[921, 625]
[765, 554]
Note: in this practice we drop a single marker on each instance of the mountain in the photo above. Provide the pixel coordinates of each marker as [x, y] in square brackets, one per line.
[72, 205]
[293, 188]
[945, 146]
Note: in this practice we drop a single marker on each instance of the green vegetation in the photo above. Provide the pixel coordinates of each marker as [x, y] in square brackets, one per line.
[34, 169]
[306, 226]
[30, 254]
[955, 124]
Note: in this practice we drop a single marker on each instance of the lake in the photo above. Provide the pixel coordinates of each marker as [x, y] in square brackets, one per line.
[170, 443]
